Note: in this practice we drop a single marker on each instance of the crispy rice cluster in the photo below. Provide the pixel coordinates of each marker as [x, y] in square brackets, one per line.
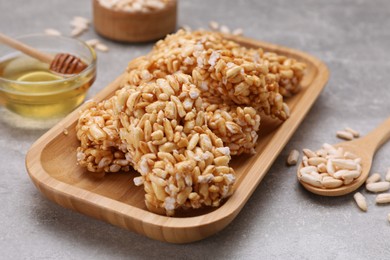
[182, 111]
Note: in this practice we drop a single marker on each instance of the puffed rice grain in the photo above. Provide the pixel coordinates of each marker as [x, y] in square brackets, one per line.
[344, 135]
[378, 186]
[360, 201]
[331, 166]
[387, 178]
[53, 32]
[355, 133]
[382, 198]
[293, 157]
[375, 177]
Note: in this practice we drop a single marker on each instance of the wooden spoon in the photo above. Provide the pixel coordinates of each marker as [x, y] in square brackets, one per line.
[365, 148]
[62, 63]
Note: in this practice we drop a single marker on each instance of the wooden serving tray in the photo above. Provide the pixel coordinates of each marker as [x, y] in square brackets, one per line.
[51, 164]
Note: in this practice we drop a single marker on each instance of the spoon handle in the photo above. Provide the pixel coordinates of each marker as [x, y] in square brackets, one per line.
[377, 137]
[26, 49]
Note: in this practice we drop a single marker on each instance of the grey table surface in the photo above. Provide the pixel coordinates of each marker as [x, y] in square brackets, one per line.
[281, 219]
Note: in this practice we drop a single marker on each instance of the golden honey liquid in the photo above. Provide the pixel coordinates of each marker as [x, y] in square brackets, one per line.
[33, 92]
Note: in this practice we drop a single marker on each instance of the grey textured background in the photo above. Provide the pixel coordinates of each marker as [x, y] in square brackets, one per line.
[281, 220]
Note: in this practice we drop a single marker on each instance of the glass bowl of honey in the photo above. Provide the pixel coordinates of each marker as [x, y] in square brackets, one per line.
[29, 88]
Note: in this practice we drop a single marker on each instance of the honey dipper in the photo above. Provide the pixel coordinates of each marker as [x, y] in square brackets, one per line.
[62, 63]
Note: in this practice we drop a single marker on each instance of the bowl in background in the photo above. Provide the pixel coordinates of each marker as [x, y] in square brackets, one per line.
[127, 26]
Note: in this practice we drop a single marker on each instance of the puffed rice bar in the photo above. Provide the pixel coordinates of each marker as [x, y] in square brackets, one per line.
[221, 69]
[287, 71]
[236, 126]
[181, 161]
[101, 149]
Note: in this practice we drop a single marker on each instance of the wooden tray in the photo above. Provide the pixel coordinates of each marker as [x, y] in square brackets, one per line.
[51, 163]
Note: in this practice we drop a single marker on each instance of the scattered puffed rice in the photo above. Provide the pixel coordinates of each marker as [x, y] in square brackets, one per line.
[53, 32]
[77, 31]
[95, 43]
[387, 178]
[344, 135]
[81, 19]
[383, 198]
[79, 25]
[293, 157]
[373, 178]
[65, 132]
[238, 32]
[213, 25]
[378, 186]
[353, 132]
[101, 47]
[92, 42]
[360, 201]
[224, 29]
[186, 27]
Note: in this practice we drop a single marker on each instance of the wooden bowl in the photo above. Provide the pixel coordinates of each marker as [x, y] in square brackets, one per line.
[134, 27]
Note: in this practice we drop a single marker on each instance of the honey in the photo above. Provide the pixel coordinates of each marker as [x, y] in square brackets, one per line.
[29, 88]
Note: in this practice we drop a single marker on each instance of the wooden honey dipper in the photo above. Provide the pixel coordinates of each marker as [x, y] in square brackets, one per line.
[62, 63]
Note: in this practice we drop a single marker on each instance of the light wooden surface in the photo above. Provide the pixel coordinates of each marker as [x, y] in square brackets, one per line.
[134, 27]
[51, 163]
[365, 148]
